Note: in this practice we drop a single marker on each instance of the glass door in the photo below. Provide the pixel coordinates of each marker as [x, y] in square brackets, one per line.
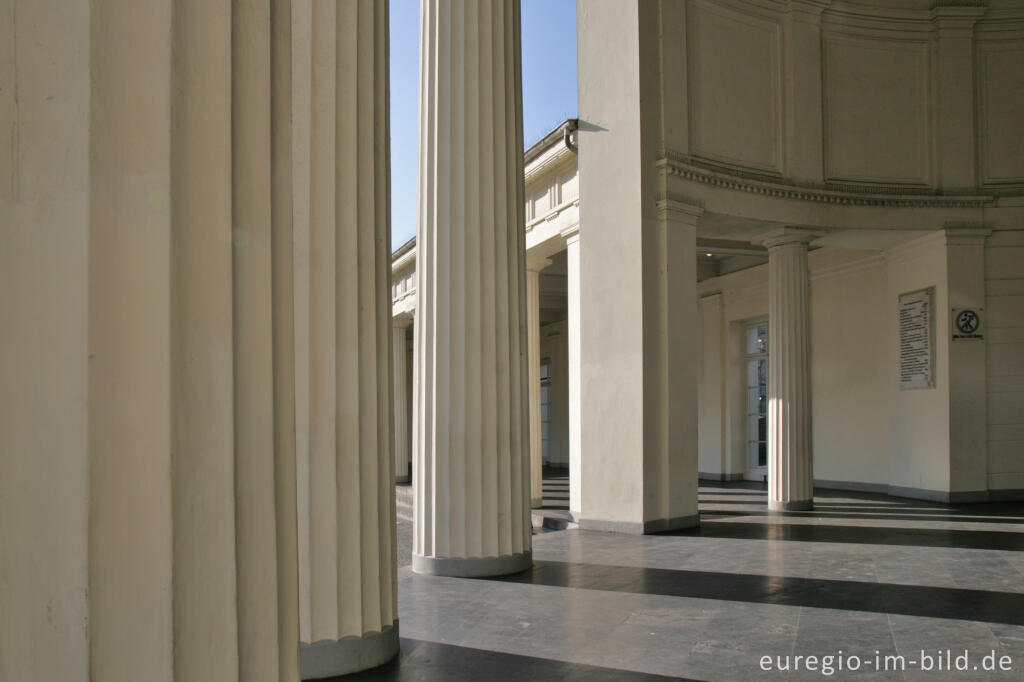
[757, 401]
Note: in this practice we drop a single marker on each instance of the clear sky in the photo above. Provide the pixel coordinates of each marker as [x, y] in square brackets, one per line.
[549, 90]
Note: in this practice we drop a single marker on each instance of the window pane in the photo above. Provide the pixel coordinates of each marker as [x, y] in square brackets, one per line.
[757, 339]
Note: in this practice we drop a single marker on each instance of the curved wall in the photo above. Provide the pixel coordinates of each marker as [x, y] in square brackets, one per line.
[894, 98]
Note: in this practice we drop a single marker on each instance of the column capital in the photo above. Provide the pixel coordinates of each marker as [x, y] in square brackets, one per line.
[965, 234]
[786, 235]
[571, 234]
[536, 263]
[402, 320]
[679, 211]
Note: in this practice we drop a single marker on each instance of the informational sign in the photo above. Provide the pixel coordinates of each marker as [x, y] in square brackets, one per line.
[967, 323]
[917, 342]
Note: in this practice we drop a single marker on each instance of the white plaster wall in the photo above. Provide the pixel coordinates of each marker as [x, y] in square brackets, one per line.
[919, 450]
[1004, 323]
[850, 377]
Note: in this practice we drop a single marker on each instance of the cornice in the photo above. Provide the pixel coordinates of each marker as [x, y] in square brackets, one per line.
[554, 213]
[1007, 24]
[809, 11]
[405, 255]
[887, 197]
[957, 20]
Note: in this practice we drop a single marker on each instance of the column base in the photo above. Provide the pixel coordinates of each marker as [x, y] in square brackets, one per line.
[403, 480]
[472, 567]
[330, 658]
[793, 505]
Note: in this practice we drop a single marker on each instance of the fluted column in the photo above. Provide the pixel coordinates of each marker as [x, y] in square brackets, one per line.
[790, 473]
[401, 399]
[161, 210]
[533, 268]
[186, 514]
[348, 611]
[472, 448]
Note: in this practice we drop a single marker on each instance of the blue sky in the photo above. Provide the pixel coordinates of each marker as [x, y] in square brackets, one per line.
[549, 90]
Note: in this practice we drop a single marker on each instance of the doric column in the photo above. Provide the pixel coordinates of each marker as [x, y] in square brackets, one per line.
[160, 206]
[348, 604]
[401, 399]
[572, 253]
[472, 448]
[790, 474]
[533, 268]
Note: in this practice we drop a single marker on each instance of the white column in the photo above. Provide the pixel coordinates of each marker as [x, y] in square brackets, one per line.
[572, 252]
[472, 437]
[401, 398]
[790, 473]
[533, 268]
[348, 605]
[163, 338]
[174, 450]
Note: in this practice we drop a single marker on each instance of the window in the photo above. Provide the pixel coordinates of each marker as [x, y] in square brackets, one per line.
[757, 395]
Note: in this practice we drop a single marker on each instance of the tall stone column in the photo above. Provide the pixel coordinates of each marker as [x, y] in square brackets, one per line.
[472, 447]
[152, 237]
[401, 399]
[348, 606]
[572, 253]
[533, 268]
[790, 473]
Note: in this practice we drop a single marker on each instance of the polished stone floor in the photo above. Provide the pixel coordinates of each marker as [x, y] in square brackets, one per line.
[866, 575]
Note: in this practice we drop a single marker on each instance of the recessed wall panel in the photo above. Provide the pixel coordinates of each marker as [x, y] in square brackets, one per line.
[734, 87]
[1001, 111]
[877, 113]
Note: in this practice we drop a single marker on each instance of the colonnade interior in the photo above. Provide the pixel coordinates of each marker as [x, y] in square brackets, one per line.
[759, 309]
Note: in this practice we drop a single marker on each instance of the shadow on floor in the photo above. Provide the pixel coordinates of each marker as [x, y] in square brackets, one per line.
[848, 595]
[853, 513]
[429, 661]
